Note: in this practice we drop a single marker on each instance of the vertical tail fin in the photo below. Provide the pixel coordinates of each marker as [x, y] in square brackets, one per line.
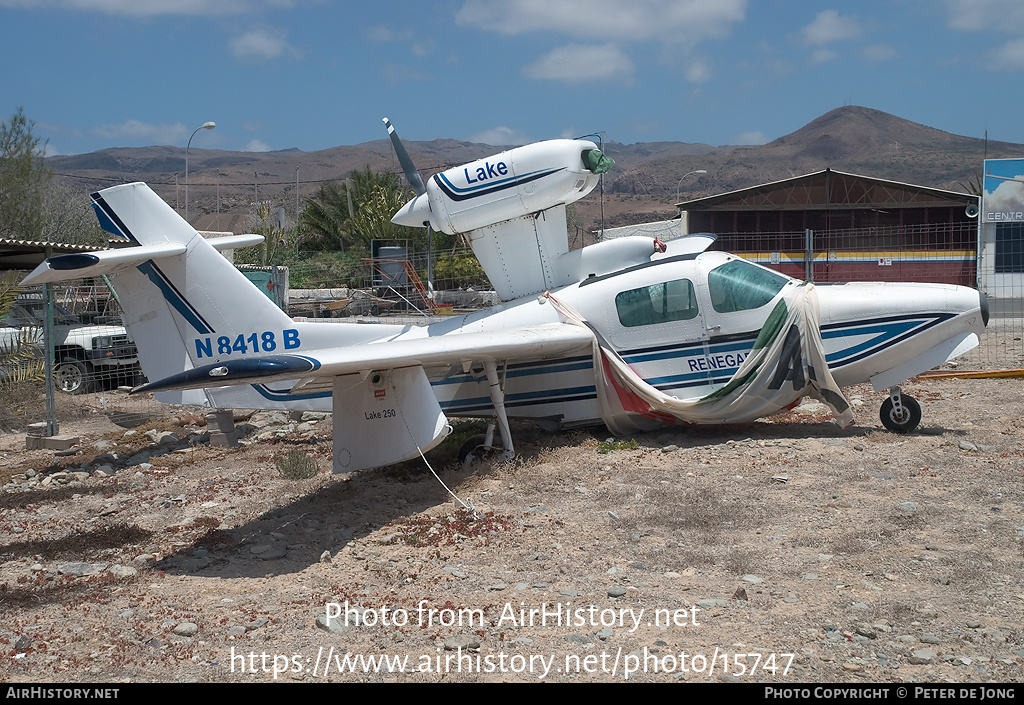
[181, 309]
[186, 306]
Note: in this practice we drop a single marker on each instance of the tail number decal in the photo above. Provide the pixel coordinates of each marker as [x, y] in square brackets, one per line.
[251, 344]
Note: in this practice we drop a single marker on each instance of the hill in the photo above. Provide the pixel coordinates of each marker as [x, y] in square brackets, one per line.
[642, 185]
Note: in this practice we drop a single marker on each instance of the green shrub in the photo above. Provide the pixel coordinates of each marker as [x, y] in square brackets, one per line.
[296, 465]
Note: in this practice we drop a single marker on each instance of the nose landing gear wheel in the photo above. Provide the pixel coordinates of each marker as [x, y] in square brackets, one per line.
[903, 421]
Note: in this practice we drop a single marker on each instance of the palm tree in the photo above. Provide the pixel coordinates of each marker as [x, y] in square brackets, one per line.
[325, 215]
[373, 219]
[366, 182]
[19, 361]
[975, 185]
[335, 215]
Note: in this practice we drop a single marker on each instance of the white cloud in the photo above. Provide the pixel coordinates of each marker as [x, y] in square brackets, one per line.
[381, 34]
[986, 15]
[256, 146]
[578, 63]
[500, 136]
[678, 25]
[668, 20]
[142, 8]
[877, 53]
[820, 56]
[697, 71]
[261, 44]
[1008, 196]
[829, 26]
[750, 137]
[1009, 57]
[134, 131]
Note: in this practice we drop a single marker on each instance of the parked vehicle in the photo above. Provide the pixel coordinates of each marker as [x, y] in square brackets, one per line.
[88, 356]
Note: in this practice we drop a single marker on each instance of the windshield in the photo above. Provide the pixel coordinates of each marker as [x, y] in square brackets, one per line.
[739, 285]
[33, 313]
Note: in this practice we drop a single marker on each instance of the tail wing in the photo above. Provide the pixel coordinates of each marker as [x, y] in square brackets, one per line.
[184, 304]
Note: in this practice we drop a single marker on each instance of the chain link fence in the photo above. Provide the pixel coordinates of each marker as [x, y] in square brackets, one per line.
[94, 361]
[942, 253]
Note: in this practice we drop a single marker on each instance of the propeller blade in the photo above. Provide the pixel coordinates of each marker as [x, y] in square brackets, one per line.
[405, 160]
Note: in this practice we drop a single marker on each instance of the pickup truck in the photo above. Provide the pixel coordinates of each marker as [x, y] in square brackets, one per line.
[88, 357]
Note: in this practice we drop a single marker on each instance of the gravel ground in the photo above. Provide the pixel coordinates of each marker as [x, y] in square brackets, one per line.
[787, 550]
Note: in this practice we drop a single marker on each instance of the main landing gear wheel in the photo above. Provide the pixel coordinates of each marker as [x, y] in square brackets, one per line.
[903, 421]
[474, 449]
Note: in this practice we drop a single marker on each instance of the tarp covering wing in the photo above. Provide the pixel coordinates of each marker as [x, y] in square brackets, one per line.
[787, 363]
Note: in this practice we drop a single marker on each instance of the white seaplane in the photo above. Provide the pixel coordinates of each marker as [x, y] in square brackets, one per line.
[632, 332]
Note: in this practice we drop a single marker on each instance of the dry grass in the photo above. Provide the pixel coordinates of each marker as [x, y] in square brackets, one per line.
[834, 553]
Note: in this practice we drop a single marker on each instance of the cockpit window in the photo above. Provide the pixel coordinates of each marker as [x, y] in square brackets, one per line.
[739, 285]
[658, 303]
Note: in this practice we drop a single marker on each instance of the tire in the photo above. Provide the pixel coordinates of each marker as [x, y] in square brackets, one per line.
[901, 424]
[73, 376]
[467, 451]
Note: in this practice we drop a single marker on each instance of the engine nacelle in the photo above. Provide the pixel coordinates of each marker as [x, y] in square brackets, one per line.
[508, 185]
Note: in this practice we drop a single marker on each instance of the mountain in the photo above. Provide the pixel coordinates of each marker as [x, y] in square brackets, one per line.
[852, 138]
[642, 185]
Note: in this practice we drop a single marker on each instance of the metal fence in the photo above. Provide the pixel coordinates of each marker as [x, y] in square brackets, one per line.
[91, 349]
[93, 354]
[937, 253]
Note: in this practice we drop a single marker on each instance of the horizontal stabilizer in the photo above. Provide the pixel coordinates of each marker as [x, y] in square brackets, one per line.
[94, 264]
[222, 374]
[234, 242]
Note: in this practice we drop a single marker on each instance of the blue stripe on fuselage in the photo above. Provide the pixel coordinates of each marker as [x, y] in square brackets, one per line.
[527, 369]
[890, 331]
[547, 396]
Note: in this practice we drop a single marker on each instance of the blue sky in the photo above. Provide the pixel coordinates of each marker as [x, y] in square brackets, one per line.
[314, 74]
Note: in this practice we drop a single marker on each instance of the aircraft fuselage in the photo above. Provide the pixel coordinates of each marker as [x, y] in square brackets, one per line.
[686, 325]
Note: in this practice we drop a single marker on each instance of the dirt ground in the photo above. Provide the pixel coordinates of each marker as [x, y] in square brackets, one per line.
[787, 550]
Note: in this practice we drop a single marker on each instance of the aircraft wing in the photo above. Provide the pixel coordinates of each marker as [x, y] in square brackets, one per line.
[316, 367]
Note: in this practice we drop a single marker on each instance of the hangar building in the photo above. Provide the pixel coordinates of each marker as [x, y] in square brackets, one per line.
[834, 226]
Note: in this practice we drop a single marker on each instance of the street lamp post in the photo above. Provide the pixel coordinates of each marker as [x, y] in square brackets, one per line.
[204, 126]
[689, 173]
